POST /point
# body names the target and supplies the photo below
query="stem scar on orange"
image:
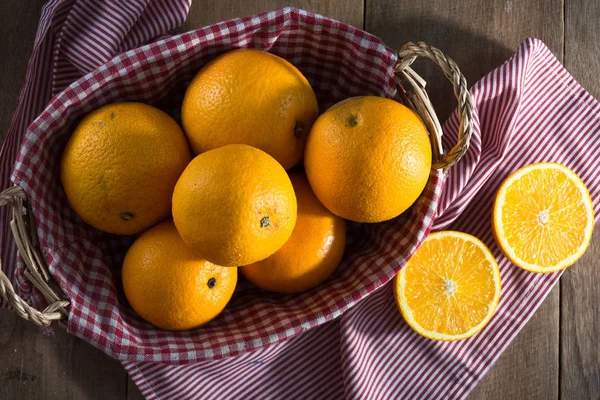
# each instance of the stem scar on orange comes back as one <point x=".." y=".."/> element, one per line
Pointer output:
<point x="368" y="158"/>
<point x="251" y="97"/>
<point x="169" y="285"/>
<point x="312" y="253"/>
<point x="234" y="205"/>
<point x="120" y="166"/>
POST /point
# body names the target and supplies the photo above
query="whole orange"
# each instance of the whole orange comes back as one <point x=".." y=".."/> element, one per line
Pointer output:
<point x="120" y="166"/>
<point x="312" y="253"/>
<point x="169" y="285"/>
<point x="250" y="97"/>
<point x="368" y="158"/>
<point x="234" y="205"/>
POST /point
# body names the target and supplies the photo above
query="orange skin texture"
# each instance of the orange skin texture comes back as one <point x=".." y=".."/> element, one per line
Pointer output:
<point x="250" y="97"/>
<point x="312" y="253"/>
<point x="235" y="205"/>
<point x="120" y="167"/>
<point x="368" y="158"/>
<point x="169" y="285"/>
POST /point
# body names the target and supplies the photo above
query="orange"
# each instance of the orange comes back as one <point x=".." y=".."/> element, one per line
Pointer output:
<point x="235" y="205"/>
<point x="172" y="287"/>
<point x="312" y="253"/>
<point x="368" y="158"/>
<point x="450" y="288"/>
<point x="120" y="166"/>
<point x="543" y="217"/>
<point x="250" y="97"/>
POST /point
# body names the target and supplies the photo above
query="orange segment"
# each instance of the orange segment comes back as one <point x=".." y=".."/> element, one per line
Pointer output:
<point x="543" y="217"/>
<point x="450" y="288"/>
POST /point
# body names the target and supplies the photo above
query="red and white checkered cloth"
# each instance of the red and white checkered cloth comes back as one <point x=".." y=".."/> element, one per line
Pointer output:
<point x="530" y="109"/>
<point x="339" y="61"/>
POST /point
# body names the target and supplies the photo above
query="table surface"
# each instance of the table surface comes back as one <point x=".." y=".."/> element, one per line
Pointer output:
<point x="557" y="354"/>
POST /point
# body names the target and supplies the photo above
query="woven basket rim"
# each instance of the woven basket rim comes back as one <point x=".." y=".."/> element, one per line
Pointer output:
<point x="411" y="92"/>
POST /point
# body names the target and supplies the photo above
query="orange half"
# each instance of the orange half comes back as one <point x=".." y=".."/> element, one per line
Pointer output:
<point x="543" y="217"/>
<point x="450" y="288"/>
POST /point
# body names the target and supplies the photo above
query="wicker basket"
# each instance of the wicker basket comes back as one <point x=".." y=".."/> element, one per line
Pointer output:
<point x="411" y="92"/>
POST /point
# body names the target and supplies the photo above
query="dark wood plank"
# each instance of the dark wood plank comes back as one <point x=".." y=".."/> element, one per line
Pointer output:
<point x="467" y="32"/>
<point x="18" y="24"/>
<point x="521" y="371"/>
<point x="35" y="366"/>
<point x="205" y="12"/>
<point x="580" y="308"/>
<point x="580" y="292"/>
<point x="133" y="393"/>
<point x="480" y="36"/>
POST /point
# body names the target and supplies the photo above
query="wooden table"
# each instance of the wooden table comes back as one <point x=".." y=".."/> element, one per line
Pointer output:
<point x="557" y="354"/>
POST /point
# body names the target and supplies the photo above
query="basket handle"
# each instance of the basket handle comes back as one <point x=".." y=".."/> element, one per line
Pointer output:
<point x="415" y="97"/>
<point x="412" y="93"/>
<point x="36" y="270"/>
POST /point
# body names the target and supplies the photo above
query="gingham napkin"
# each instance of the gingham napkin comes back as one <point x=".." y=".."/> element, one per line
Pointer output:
<point x="86" y="263"/>
<point x="529" y="109"/>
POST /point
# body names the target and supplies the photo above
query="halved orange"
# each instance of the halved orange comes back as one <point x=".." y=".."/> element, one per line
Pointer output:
<point x="543" y="217"/>
<point x="450" y="288"/>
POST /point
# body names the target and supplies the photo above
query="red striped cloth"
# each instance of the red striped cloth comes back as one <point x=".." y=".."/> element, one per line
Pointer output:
<point x="86" y="263"/>
<point x="528" y="110"/>
<point x="110" y="27"/>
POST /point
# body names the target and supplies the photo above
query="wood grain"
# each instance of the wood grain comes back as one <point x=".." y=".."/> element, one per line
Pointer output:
<point x="580" y="288"/>
<point x="480" y="36"/>
<point x="18" y="24"/>
<point x="580" y="285"/>
<point x="36" y="366"/>
<point x="205" y="12"/>
<point x="580" y="317"/>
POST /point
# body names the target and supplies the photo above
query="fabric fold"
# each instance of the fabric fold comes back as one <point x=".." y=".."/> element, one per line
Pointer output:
<point x="529" y="109"/>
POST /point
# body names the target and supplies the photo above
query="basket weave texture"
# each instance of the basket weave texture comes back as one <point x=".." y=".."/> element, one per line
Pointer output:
<point x="339" y="61"/>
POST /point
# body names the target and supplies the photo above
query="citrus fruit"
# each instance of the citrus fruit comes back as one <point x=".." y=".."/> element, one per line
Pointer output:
<point x="234" y="205"/>
<point x="450" y="287"/>
<point x="543" y="217"/>
<point x="120" y="166"/>
<point x="250" y="97"/>
<point x="169" y="285"/>
<point x="368" y="158"/>
<point x="312" y="253"/>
